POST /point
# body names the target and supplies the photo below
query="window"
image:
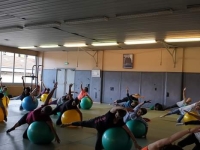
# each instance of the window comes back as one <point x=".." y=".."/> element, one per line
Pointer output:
<point x="19" y="69"/>
<point x="12" y="72"/>
<point x="30" y="68"/>
<point x="7" y="67"/>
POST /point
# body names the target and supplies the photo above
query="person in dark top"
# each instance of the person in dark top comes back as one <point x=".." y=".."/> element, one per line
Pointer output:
<point x="130" y="100"/>
<point x="40" y="114"/>
<point x="69" y="104"/>
<point x="113" y="118"/>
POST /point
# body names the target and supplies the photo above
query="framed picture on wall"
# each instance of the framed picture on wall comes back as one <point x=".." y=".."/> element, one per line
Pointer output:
<point x="127" y="61"/>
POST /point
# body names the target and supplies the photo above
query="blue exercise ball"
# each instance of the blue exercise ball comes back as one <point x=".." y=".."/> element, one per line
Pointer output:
<point x="29" y="104"/>
<point x="40" y="133"/>
<point x="137" y="127"/>
<point x="116" y="139"/>
<point x="86" y="103"/>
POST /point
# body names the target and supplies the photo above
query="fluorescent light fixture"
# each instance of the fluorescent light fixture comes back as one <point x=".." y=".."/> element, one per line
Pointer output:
<point x="49" y="46"/>
<point x="28" y="47"/>
<point x="86" y="20"/>
<point x="183" y="40"/>
<point x="11" y="29"/>
<point x="148" y="14"/>
<point x="75" y="45"/>
<point x="133" y="42"/>
<point x="43" y="25"/>
<point x="193" y="8"/>
<point x="105" y="44"/>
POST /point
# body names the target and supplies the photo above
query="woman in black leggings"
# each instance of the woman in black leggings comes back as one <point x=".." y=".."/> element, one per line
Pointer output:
<point x="113" y="118"/>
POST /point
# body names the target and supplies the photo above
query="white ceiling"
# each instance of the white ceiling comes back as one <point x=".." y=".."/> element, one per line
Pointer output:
<point x="23" y="13"/>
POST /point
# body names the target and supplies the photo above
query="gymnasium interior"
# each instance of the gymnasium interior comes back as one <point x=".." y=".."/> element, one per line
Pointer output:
<point x="150" y="47"/>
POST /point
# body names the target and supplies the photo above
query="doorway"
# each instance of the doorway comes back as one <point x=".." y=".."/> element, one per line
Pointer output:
<point x="64" y="78"/>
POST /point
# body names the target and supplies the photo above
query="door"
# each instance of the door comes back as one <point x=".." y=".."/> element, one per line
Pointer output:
<point x="61" y="83"/>
<point x="64" y="78"/>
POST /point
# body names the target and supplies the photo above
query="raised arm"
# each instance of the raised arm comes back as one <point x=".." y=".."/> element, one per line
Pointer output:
<point x="43" y="84"/>
<point x="81" y="86"/>
<point x="140" y="105"/>
<point x="70" y="92"/>
<point x="184" y="94"/>
<point x="1" y="82"/>
<point x="23" y="83"/>
<point x="160" y="143"/>
<point x="50" y="94"/>
<point x="33" y="92"/>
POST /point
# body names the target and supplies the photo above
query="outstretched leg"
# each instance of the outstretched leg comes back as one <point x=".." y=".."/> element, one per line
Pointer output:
<point x="89" y="123"/>
<point x="19" y="123"/>
<point x="171" y="112"/>
<point x="173" y="106"/>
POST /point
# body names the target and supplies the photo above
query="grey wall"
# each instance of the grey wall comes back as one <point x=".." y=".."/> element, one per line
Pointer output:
<point x="111" y="86"/>
<point x="160" y="87"/>
<point x="49" y="77"/>
<point x="152" y="87"/>
<point x="192" y="83"/>
<point x="83" y="77"/>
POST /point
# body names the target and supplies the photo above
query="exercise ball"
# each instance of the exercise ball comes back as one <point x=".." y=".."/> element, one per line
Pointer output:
<point x="188" y="117"/>
<point x="2" y="115"/>
<point x="5" y="101"/>
<point x="116" y="139"/>
<point x="86" y="103"/>
<point x="44" y="97"/>
<point x="29" y="104"/>
<point x="137" y="127"/>
<point x="40" y="133"/>
<point x="70" y="116"/>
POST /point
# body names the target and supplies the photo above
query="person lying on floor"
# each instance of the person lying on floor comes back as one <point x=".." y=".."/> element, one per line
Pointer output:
<point x="130" y="100"/>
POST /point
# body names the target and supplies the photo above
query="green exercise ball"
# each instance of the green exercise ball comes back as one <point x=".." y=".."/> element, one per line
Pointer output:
<point x="116" y="139"/>
<point x="40" y="133"/>
<point x="86" y="103"/>
<point x="137" y="127"/>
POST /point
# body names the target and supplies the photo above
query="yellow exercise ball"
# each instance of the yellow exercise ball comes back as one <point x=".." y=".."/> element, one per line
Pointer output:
<point x="2" y="115"/>
<point x="5" y="101"/>
<point x="188" y="117"/>
<point x="70" y="116"/>
<point x="44" y="97"/>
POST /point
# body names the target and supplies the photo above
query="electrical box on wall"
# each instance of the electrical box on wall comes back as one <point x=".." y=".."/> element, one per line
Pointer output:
<point x="96" y="73"/>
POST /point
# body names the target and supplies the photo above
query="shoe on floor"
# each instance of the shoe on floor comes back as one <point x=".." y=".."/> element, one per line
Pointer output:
<point x="179" y="124"/>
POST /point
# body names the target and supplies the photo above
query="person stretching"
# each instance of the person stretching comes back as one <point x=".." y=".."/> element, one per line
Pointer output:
<point x="186" y="101"/>
<point x="113" y="118"/>
<point x="40" y="114"/>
